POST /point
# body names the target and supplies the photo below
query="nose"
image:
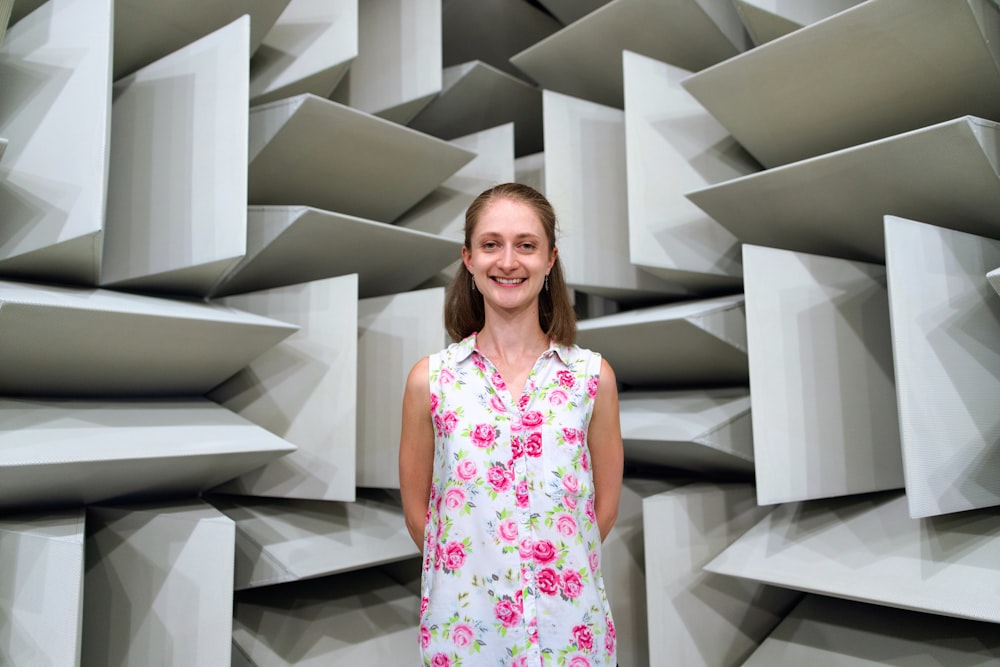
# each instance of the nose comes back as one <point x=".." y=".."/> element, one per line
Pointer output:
<point x="508" y="258"/>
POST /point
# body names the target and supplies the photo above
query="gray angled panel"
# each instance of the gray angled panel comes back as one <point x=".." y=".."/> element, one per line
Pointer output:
<point x="945" y="325"/>
<point x="867" y="548"/>
<point x="288" y="245"/>
<point x="568" y="11"/>
<point x="833" y="205"/>
<point x="994" y="278"/>
<point x="308" y="151"/>
<point x="821" y="376"/>
<point x="5" y="7"/>
<point x="82" y="342"/>
<point x="584" y="59"/>
<point x="767" y="20"/>
<point x="79" y="452"/>
<point x="843" y="81"/>
<point x="279" y="541"/>
<point x="692" y="343"/>
<point x="705" y="431"/>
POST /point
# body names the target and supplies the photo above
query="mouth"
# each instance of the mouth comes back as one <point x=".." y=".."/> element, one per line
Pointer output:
<point x="508" y="281"/>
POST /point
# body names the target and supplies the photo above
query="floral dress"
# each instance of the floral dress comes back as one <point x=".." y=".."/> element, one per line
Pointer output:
<point x="511" y="570"/>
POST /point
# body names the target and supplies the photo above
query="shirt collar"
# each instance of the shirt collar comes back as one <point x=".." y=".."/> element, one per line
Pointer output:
<point x="467" y="346"/>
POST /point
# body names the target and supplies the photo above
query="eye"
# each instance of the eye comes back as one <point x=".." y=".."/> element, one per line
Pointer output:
<point x="528" y="246"/>
<point x="489" y="245"/>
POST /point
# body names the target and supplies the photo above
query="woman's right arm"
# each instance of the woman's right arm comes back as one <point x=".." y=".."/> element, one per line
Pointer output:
<point x="416" y="450"/>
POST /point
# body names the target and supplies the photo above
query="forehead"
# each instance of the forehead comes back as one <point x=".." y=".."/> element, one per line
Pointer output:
<point x="508" y="216"/>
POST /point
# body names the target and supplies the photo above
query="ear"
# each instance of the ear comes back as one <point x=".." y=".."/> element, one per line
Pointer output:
<point x="466" y="259"/>
<point x="552" y="258"/>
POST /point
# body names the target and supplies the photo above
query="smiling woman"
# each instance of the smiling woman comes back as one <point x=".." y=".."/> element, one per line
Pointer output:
<point x="511" y="456"/>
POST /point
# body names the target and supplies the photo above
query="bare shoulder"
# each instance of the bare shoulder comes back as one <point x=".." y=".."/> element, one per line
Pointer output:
<point x="417" y="384"/>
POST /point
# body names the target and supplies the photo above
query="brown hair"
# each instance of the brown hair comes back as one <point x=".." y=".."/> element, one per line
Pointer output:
<point x="464" y="313"/>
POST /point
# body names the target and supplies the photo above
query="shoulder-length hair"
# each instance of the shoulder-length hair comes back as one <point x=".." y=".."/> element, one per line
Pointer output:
<point x="464" y="310"/>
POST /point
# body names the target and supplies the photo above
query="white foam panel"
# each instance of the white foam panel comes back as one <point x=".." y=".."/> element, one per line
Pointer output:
<point x="90" y="342"/>
<point x="689" y="343"/>
<point x="303" y="390"/>
<point x="585" y="181"/>
<point x="3" y="146"/>
<point x="945" y="322"/>
<point x="307" y="151"/>
<point x="704" y="431"/>
<point x="357" y="618"/>
<point x="584" y="59"/>
<point x="398" y="67"/>
<point x="5" y="7"/>
<point x="295" y="244"/>
<point x="698" y="618"/>
<point x="41" y="587"/>
<point x="840" y="633"/>
<point x="159" y="582"/>
<point x="394" y="333"/>
<point x="994" y="278"/>
<point x="841" y="82"/>
<point x="767" y="20"/>
<point x="821" y="376"/>
<point x="78" y="452"/>
<point x="476" y="96"/>
<point x="177" y="187"/>
<point x="279" y="541"/>
<point x="308" y="50"/>
<point x="568" y="11"/>
<point x="672" y="146"/>
<point x="867" y="548"/>
<point x="55" y="74"/>
<point x="833" y="205"/>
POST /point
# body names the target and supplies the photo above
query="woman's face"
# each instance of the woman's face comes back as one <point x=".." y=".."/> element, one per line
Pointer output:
<point x="509" y="255"/>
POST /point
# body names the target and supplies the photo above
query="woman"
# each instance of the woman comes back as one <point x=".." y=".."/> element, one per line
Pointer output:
<point x="510" y="456"/>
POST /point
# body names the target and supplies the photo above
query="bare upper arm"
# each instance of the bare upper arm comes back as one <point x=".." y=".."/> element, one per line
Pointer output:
<point x="416" y="447"/>
<point x="606" y="451"/>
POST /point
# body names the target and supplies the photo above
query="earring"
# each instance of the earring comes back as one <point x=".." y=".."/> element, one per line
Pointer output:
<point x="546" y="282"/>
<point x="473" y="281"/>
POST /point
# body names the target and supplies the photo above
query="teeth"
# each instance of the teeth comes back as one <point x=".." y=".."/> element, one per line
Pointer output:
<point x="510" y="281"/>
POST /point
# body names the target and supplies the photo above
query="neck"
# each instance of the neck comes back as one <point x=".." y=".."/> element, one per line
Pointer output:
<point x="511" y="337"/>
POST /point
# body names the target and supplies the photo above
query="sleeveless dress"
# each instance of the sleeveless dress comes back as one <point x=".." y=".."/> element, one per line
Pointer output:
<point x="512" y="550"/>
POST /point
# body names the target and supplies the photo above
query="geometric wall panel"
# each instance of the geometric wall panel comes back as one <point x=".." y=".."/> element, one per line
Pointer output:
<point x="767" y="20"/>
<point x="841" y="633"/>
<point x="78" y="452"/>
<point x="159" y="582"/>
<point x="946" y="342"/>
<point x="867" y="548"/>
<point x="994" y="278"/>
<point x="585" y="179"/>
<point x="673" y="146"/>
<point x="394" y="333"/>
<point x="584" y="59"/>
<point x="55" y="74"/>
<point x="3" y="146"/>
<point x="821" y="377"/>
<point x="358" y="618"/>
<point x="308" y="50"/>
<point x="41" y="588"/>
<point x="147" y="31"/>
<point x="705" y="431"/>
<point x="5" y="7"/>
<point x="476" y="96"/>
<point x="296" y="244"/>
<point x="307" y="151"/>
<point x="697" y="618"/>
<point x="568" y="11"/>
<point x="302" y="389"/>
<point x="60" y="341"/>
<point x="878" y="69"/>
<point x="833" y="205"/>
<point x="692" y="343"/>
<point x="177" y="186"/>
<point x="398" y="67"/>
<point x="278" y="541"/>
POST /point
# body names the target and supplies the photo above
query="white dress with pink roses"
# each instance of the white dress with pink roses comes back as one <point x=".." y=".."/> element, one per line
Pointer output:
<point x="512" y="550"/>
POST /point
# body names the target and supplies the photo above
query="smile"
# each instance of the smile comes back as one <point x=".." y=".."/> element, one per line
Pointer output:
<point x="509" y="281"/>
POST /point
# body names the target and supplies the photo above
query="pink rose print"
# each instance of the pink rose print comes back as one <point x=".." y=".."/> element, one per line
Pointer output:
<point x="583" y="637"/>
<point x="477" y="359"/>
<point x="578" y="661"/>
<point x="522" y="402"/>
<point x="520" y="661"/>
<point x="609" y="643"/>
<point x="572" y="584"/>
<point x="569" y="501"/>
<point x="461" y="635"/>
<point x="425" y="637"/>
<point x="498" y="478"/>
<point x="525" y="548"/>
<point x="588" y="509"/>
<point x="573" y="435"/>
<point x="532" y="419"/>
<point x="483" y="435"/>
<point x="548" y="581"/>
<point x="497" y="404"/>
<point x="450" y="420"/>
<point x="533" y="631"/>
<point x="445" y="376"/>
<point x="521" y="493"/>
<point x="544" y="552"/>
<point x="584" y="462"/>
<point x="508" y="530"/>
<point x="611" y="628"/>
<point x="435" y="402"/>
<point x="516" y="448"/>
<point x="423" y="604"/>
<point x="507" y="613"/>
<point x="566" y="379"/>
<point x="454" y="498"/>
<point x="571" y="483"/>
<point x="533" y="445"/>
<point x="440" y="660"/>
<point x="557" y="397"/>
<point x="466" y="470"/>
<point x="595" y="561"/>
<point x="498" y="382"/>
<point x="592" y="384"/>
<point x="454" y="555"/>
<point x="566" y="525"/>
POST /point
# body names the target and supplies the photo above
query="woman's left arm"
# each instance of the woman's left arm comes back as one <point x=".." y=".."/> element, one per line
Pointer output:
<point x="607" y="456"/>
